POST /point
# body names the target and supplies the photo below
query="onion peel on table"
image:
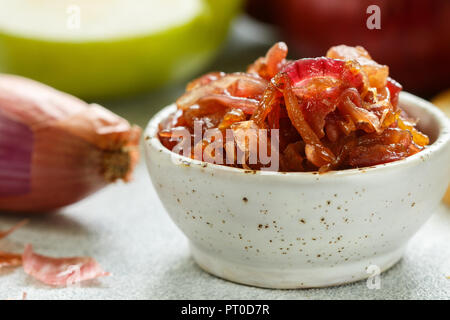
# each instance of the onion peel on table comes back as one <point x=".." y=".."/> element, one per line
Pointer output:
<point x="10" y="259"/>
<point x="51" y="271"/>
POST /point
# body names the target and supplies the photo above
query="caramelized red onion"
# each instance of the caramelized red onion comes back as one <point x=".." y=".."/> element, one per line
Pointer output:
<point x="335" y="112"/>
<point x="56" y="149"/>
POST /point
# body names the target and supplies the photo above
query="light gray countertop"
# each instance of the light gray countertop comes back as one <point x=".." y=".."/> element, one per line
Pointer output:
<point x="126" y="229"/>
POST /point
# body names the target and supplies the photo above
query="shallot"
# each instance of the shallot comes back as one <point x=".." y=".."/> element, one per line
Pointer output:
<point x="56" y="149"/>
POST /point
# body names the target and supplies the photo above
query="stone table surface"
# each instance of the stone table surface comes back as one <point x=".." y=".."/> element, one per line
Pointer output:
<point x="127" y="230"/>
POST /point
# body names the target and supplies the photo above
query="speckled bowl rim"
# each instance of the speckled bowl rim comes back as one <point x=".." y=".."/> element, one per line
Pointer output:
<point x="443" y="140"/>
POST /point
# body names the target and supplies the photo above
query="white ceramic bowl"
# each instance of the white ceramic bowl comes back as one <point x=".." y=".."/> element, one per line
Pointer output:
<point x="299" y="230"/>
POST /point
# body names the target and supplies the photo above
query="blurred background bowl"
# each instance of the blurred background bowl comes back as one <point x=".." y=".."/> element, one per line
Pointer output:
<point x="114" y="65"/>
<point x="414" y="38"/>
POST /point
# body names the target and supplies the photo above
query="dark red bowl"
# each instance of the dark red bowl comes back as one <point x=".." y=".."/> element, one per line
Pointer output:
<point x="414" y="39"/>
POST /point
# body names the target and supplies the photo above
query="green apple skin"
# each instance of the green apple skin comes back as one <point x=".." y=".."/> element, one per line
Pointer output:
<point x="121" y="67"/>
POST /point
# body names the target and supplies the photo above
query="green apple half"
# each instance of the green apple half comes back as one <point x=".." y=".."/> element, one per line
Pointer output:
<point x="106" y="48"/>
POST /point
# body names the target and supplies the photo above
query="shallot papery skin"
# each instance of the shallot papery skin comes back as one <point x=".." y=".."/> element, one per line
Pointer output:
<point x="5" y="233"/>
<point x="56" y="149"/>
<point x="60" y="271"/>
<point x="8" y="259"/>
